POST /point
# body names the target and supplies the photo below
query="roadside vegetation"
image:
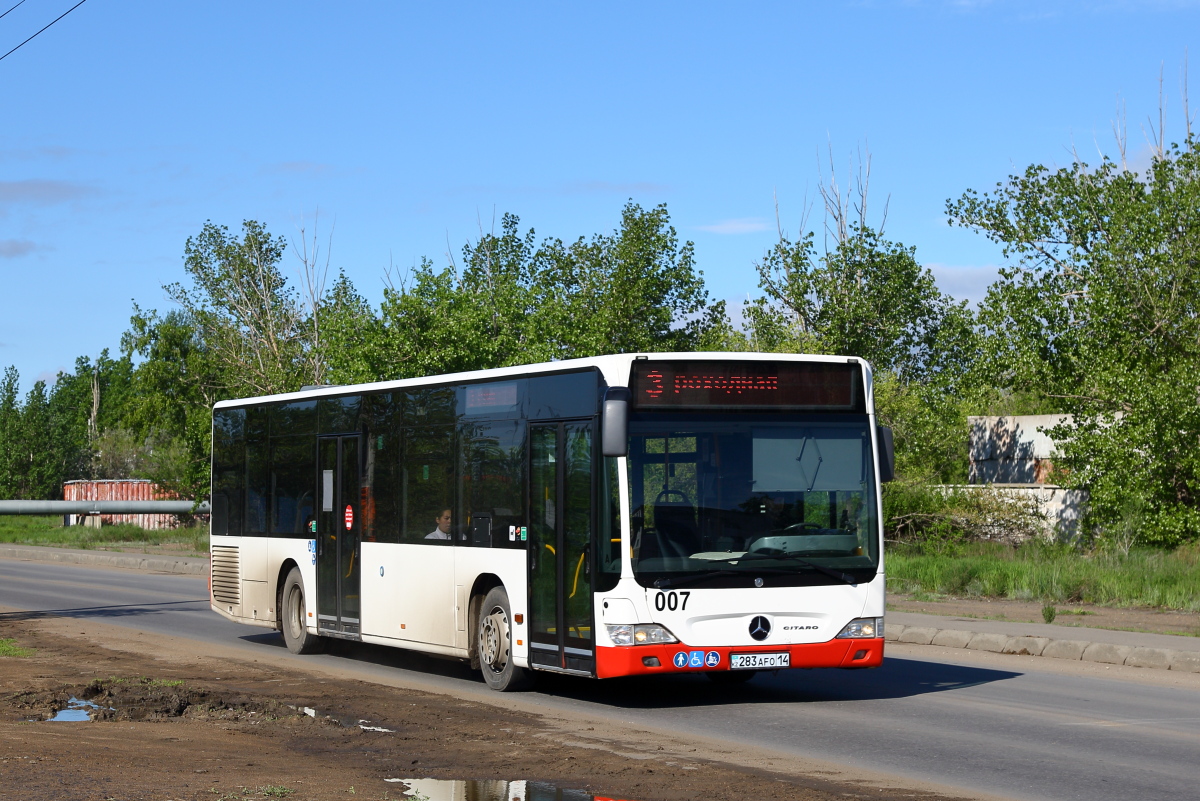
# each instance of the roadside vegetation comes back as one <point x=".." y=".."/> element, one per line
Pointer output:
<point x="1053" y="573"/>
<point x="1095" y="315"/>
<point x="49" y="531"/>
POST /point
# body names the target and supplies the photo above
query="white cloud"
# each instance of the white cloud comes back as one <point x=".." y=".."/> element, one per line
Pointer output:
<point x="741" y="225"/>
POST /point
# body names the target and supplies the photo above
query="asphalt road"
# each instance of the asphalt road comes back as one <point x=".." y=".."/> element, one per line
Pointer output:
<point x="990" y="724"/>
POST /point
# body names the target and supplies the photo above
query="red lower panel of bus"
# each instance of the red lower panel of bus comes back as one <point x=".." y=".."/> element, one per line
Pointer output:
<point x="635" y="660"/>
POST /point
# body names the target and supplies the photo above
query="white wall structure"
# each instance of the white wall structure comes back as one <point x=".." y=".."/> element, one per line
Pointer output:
<point x="1013" y="455"/>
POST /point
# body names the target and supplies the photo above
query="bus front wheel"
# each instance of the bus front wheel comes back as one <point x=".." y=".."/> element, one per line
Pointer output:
<point x="294" y="617"/>
<point x="494" y="644"/>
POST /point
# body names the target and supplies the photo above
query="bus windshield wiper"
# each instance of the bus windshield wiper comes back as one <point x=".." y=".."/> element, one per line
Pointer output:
<point x="667" y="583"/>
<point x="758" y="557"/>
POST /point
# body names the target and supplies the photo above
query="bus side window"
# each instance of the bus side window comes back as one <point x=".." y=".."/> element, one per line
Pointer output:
<point x="494" y="481"/>
<point x="428" y="485"/>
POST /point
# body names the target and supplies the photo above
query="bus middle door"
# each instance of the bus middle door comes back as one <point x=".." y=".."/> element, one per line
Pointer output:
<point x="339" y="536"/>
<point x="560" y="535"/>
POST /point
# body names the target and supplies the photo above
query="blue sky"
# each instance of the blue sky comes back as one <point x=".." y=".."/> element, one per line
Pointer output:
<point x="127" y="125"/>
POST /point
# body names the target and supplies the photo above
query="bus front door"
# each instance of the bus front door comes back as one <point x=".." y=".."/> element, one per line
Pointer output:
<point x="339" y="536"/>
<point x="560" y="533"/>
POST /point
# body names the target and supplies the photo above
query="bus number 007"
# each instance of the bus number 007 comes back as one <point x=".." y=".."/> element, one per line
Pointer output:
<point x="671" y="600"/>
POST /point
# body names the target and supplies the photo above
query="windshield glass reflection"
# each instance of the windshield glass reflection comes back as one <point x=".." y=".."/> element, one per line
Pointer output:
<point x="741" y="495"/>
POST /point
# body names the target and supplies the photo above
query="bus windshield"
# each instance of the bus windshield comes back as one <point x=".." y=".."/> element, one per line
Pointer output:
<point x="737" y="499"/>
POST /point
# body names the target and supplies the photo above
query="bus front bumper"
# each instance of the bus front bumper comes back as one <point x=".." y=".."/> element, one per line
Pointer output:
<point x="642" y="660"/>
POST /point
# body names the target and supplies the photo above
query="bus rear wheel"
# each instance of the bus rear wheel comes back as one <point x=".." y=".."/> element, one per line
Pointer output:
<point x="294" y="616"/>
<point x="494" y="644"/>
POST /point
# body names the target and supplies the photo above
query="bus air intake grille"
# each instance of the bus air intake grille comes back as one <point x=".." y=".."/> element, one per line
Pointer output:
<point x="226" y="578"/>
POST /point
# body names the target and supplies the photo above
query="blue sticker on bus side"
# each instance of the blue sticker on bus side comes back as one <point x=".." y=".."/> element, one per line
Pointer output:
<point x="681" y="659"/>
<point x="312" y="546"/>
<point x="696" y="659"/>
<point x="712" y="659"/>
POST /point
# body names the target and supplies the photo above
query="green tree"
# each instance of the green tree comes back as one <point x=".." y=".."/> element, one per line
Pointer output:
<point x="175" y="384"/>
<point x="11" y="463"/>
<point x="254" y="325"/>
<point x="868" y="296"/>
<point x="514" y="302"/>
<point x="1099" y="313"/>
<point x="637" y="289"/>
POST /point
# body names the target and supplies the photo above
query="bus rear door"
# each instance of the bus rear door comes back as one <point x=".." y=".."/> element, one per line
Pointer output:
<point x="339" y="534"/>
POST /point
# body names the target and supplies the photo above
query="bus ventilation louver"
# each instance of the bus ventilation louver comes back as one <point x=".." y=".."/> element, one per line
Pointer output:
<point x="226" y="578"/>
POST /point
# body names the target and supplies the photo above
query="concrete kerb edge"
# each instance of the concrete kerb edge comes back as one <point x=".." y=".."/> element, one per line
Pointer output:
<point x="129" y="561"/>
<point x="1152" y="658"/>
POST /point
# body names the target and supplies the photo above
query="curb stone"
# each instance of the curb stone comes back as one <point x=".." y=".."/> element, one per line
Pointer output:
<point x="1107" y="653"/>
<point x="988" y="642"/>
<point x="953" y="638"/>
<point x="1104" y="653"/>
<point x="1065" y="649"/>
<point x="1026" y="646"/>
<point x="917" y="635"/>
<point x="1159" y="658"/>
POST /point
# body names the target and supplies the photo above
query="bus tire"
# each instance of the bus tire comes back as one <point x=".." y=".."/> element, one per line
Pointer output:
<point x="293" y="617"/>
<point x="493" y="639"/>
<point x="730" y="678"/>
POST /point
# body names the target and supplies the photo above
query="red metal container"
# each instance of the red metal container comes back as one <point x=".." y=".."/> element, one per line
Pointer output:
<point x="125" y="489"/>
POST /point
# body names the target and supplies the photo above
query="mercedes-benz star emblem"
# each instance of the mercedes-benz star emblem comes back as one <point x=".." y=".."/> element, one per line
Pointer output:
<point x="760" y="627"/>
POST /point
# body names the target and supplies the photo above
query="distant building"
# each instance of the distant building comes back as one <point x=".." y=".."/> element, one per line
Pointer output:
<point x="1015" y="455"/>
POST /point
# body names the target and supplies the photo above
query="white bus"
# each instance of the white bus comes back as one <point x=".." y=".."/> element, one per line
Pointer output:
<point x="660" y="513"/>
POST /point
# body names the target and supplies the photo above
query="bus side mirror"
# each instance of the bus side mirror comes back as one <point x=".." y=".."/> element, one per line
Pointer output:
<point x="614" y="422"/>
<point x="887" y="453"/>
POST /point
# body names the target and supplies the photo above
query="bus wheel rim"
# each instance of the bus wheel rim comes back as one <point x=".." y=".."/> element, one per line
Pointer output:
<point x="294" y="612"/>
<point x="493" y="640"/>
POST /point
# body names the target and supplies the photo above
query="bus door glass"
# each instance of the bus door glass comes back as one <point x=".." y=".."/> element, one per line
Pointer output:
<point x="339" y="535"/>
<point x="560" y="534"/>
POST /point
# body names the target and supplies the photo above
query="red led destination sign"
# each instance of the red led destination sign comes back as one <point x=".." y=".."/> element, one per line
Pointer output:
<point x="734" y="385"/>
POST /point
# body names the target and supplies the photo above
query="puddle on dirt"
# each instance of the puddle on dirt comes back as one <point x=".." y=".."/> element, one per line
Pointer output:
<point x="76" y="710"/>
<point x="490" y="790"/>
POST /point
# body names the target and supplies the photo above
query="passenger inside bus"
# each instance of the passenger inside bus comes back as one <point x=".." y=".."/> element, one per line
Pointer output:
<point x="442" y="532"/>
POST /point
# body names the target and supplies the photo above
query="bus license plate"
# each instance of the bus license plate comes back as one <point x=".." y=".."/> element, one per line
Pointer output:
<point x="759" y="661"/>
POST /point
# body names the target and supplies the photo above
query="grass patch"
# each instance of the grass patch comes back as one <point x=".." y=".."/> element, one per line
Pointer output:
<point x="9" y="647"/>
<point x="49" y="531"/>
<point x="1049" y="573"/>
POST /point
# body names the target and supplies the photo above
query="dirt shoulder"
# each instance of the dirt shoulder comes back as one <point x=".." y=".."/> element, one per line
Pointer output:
<point x="175" y="724"/>
<point x="1155" y="621"/>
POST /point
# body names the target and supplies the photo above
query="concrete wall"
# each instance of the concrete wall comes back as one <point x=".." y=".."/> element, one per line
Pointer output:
<point x="1061" y="509"/>
<point x="1012" y="450"/>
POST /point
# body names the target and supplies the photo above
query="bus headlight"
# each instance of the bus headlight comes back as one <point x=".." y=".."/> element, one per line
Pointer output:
<point x="649" y="634"/>
<point x="862" y="628"/>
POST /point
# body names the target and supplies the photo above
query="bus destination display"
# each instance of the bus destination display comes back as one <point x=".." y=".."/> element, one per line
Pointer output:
<point x="733" y="384"/>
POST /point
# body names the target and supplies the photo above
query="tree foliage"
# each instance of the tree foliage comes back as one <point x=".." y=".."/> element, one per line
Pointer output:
<point x="516" y="301"/>
<point x="1100" y="314"/>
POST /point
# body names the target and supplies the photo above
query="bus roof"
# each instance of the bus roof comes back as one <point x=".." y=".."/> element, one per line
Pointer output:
<point x="615" y="369"/>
